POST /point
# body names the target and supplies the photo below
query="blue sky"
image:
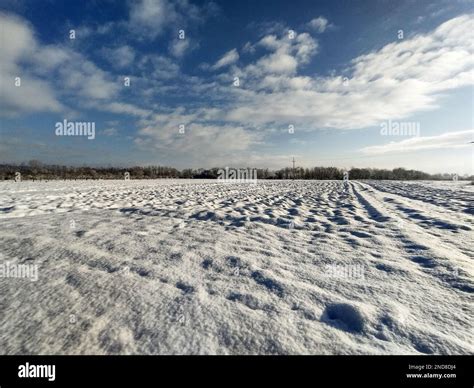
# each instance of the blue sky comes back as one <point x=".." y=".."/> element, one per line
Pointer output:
<point x="251" y="83"/>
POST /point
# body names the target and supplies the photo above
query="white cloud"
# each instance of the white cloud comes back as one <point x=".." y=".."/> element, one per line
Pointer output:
<point x="179" y="47"/>
<point x="278" y="83"/>
<point x="163" y="129"/>
<point x="50" y="72"/>
<point x="110" y="131"/>
<point x="203" y="142"/>
<point x="151" y="16"/>
<point x="17" y="40"/>
<point x="285" y="57"/>
<point x="248" y="48"/>
<point x="124" y="108"/>
<point x="120" y="57"/>
<point x="158" y="67"/>
<point x="267" y="27"/>
<point x="459" y="139"/>
<point x="319" y="24"/>
<point x="395" y="82"/>
<point x="227" y="59"/>
<point x="83" y="78"/>
<point x="18" y="44"/>
<point x="33" y="95"/>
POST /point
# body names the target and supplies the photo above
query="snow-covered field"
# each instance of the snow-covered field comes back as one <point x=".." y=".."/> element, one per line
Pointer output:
<point x="199" y="267"/>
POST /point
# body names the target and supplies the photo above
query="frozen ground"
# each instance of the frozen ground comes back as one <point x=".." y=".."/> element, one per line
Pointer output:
<point x="283" y="267"/>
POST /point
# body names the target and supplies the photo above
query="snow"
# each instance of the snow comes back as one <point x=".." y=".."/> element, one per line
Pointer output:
<point x="201" y="267"/>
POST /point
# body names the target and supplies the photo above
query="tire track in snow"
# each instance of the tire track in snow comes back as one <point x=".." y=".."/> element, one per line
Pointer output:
<point x="439" y="257"/>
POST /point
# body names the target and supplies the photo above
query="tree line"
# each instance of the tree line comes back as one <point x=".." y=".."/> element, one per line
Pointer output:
<point x="35" y="170"/>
